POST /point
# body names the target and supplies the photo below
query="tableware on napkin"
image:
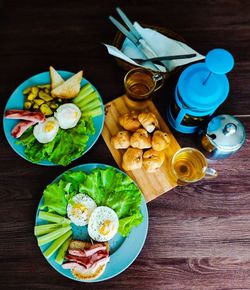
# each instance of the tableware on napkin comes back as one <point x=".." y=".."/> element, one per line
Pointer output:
<point x="160" y="44"/>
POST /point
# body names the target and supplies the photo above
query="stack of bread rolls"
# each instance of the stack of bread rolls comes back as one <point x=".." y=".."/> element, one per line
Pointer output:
<point x="143" y="139"/>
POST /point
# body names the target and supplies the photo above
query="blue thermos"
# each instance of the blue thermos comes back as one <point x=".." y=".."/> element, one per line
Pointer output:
<point x="201" y="89"/>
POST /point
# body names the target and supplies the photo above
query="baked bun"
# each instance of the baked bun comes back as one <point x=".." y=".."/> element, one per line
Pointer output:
<point x="88" y="274"/>
<point x="148" y="121"/>
<point x="132" y="159"/>
<point x="129" y="121"/>
<point x="140" y="139"/>
<point x="160" y="140"/>
<point x="153" y="160"/>
<point x="121" y="140"/>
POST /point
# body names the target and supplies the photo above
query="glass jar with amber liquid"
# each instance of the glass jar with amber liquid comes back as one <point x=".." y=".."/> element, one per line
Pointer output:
<point x="140" y="85"/>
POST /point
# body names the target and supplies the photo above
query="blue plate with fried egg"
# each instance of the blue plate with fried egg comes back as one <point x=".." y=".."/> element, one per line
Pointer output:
<point x="16" y="101"/>
<point x="122" y="251"/>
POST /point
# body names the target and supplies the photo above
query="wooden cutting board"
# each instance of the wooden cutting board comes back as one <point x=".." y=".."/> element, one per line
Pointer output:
<point x="151" y="184"/>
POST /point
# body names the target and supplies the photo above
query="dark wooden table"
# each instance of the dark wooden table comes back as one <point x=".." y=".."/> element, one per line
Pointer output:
<point x="199" y="235"/>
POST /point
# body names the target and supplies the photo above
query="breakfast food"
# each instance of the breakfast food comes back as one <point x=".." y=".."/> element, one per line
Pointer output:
<point x="46" y="131"/>
<point x="68" y="115"/>
<point x="86" y="261"/>
<point x="38" y="98"/>
<point x="132" y="159"/>
<point x="64" y="125"/>
<point x="24" y="115"/>
<point x="140" y="139"/>
<point x="148" y="121"/>
<point x="153" y="160"/>
<point x="56" y="79"/>
<point x="109" y="202"/>
<point x="21" y="127"/>
<point x="80" y="209"/>
<point x="130" y="121"/>
<point x="121" y="140"/>
<point x="70" y="88"/>
<point x="160" y="140"/>
<point x="103" y="224"/>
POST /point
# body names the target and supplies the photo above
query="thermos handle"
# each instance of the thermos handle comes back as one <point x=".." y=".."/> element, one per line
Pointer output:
<point x="210" y="173"/>
<point x="180" y="116"/>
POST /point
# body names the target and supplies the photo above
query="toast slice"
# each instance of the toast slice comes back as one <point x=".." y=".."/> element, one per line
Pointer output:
<point x="56" y="79"/>
<point x="80" y="245"/>
<point x="88" y="274"/>
<point x="70" y="88"/>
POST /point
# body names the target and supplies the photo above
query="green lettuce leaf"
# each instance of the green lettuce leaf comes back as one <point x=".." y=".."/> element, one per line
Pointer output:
<point x="127" y="223"/>
<point x="54" y="198"/>
<point x="66" y="146"/>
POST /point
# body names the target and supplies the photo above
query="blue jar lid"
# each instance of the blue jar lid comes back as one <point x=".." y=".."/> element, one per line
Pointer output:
<point x="204" y="86"/>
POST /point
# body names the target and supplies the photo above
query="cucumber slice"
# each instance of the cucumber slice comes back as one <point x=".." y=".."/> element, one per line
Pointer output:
<point x="57" y="244"/>
<point x="84" y="92"/>
<point x="90" y="98"/>
<point x="45" y="229"/>
<point x="62" y="251"/>
<point x="93" y="113"/>
<point x="52" y="235"/>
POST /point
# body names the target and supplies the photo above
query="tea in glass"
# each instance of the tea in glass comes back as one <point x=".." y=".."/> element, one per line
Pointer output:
<point x="140" y="84"/>
<point x="190" y="165"/>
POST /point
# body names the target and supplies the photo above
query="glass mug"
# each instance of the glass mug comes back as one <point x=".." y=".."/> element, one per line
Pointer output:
<point x="190" y="165"/>
<point x="140" y="84"/>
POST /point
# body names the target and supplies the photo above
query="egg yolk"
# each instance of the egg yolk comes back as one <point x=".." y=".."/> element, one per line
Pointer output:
<point x="49" y="126"/>
<point x="106" y="227"/>
<point x="78" y="209"/>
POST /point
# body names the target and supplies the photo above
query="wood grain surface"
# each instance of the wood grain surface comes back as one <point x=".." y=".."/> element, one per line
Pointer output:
<point x="151" y="184"/>
<point x="199" y="235"/>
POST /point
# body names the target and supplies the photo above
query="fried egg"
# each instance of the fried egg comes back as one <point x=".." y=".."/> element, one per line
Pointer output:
<point x="103" y="224"/>
<point x="68" y="115"/>
<point x="46" y="131"/>
<point x="80" y="209"/>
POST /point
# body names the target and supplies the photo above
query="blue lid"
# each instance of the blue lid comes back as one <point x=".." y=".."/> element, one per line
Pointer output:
<point x="225" y="63"/>
<point x="204" y="86"/>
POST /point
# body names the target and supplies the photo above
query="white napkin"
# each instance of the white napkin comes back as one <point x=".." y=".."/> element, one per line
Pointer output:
<point x="160" y="44"/>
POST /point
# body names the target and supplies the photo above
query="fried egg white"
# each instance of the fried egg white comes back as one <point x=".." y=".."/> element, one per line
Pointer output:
<point x="80" y="209"/>
<point x="46" y="131"/>
<point x="103" y="224"/>
<point x="68" y="115"/>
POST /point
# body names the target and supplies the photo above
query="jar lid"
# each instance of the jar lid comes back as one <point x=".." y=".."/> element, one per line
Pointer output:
<point x="226" y="132"/>
<point x="204" y="86"/>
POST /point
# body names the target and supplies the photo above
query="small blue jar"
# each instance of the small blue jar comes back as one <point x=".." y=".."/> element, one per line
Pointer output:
<point x="200" y="90"/>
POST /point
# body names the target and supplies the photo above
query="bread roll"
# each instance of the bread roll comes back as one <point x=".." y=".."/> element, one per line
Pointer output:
<point x="148" y="121"/>
<point x="132" y="159"/>
<point x="160" y="140"/>
<point x="153" y="160"/>
<point x="130" y="121"/>
<point x="121" y="140"/>
<point x="140" y="139"/>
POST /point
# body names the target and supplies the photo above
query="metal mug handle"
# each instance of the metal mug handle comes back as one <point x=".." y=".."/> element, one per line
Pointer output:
<point x="210" y="173"/>
<point x="159" y="79"/>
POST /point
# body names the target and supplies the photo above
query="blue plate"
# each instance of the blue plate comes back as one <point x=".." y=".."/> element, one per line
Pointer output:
<point x="123" y="251"/>
<point x="16" y="101"/>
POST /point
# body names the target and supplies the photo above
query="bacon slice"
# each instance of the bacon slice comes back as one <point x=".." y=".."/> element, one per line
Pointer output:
<point x="25" y="115"/>
<point x="87" y="262"/>
<point x="21" y="127"/>
<point x="72" y="265"/>
<point x="87" y="252"/>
